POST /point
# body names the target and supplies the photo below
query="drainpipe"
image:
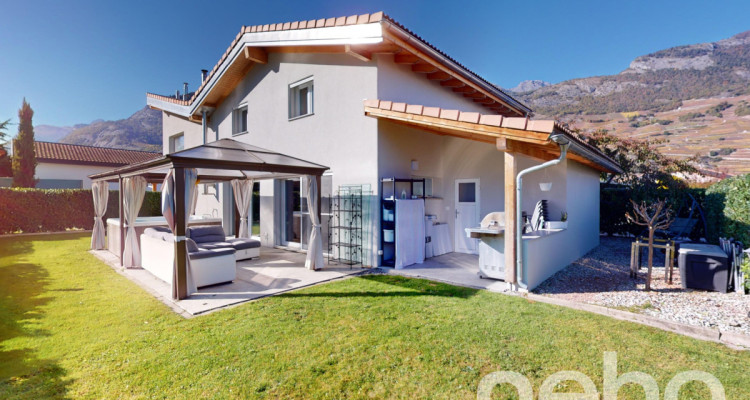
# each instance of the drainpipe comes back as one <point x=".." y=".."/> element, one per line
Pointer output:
<point x="564" y="144"/>
<point x="205" y="128"/>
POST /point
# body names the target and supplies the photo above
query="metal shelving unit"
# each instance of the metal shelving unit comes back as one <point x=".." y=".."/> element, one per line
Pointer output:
<point x="345" y="235"/>
<point x="390" y="190"/>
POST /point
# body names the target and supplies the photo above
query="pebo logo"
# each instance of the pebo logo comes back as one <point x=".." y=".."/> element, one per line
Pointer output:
<point x="612" y="384"/>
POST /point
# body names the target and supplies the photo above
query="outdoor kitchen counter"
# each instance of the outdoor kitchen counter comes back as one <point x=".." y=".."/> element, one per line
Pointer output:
<point x="141" y="223"/>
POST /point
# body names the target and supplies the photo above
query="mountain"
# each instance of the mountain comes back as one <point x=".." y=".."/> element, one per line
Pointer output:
<point x="658" y="81"/>
<point x="529" y="86"/>
<point x="695" y="98"/>
<point x="140" y="131"/>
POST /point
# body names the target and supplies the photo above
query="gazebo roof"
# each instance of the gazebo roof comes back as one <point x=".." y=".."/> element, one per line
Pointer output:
<point x="222" y="160"/>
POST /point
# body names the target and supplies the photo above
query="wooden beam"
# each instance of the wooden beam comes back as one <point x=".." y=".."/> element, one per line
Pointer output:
<point x="179" y="280"/>
<point x="256" y="54"/>
<point x="528" y="149"/>
<point x="484" y="100"/>
<point x="511" y="170"/>
<point x="393" y="35"/>
<point x="475" y="95"/>
<point x="405" y="58"/>
<point x="487" y="133"/>
<point x="464" y="89"/>
<point x="423" y="68"/>
<point x="358" y="53"/>
<point x="452" y="83"/>
<point x="438" y="76"/>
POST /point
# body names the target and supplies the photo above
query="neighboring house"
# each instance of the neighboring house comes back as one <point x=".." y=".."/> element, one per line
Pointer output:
<point x="67" y="166"/>
<point x="370" y="99"/>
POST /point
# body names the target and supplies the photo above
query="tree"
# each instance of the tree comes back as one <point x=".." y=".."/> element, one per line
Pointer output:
<point x="24" y="159"/>
<point x="654" y="216"/>
<point x="6" y="168"/>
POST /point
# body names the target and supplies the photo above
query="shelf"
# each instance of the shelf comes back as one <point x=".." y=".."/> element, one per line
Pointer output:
<point x="348" y="228"/>
<point x="343" y="244"/>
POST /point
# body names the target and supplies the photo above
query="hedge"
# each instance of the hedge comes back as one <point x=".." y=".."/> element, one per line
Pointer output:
<point x="55" y="210"/>
<point x="728" y="204"/>
<point x="726" y="207"/>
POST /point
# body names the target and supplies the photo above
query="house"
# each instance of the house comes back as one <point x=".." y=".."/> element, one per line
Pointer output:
<point x="68" y="166"/>
<point x="372" y="100"/>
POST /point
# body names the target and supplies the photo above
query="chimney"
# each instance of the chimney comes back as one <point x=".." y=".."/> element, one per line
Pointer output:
<point x="184" y="90"/>
<point x="204" y="75"/>
<point x="177" y="94"/>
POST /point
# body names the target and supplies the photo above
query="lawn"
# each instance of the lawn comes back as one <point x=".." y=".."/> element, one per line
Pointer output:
<point x="72" y="327"/>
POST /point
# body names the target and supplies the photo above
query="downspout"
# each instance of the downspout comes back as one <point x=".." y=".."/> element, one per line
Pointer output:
<point x="564" y="144"/>
<point x="203" y="122"/>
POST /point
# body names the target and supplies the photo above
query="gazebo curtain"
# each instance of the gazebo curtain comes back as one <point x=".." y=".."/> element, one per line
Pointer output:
<point x="314" y="258"/>
<point x="133" y="191"/>
<point x="243" y="194"/>
<point x="100" y="191"/>
<point x="168" y="209"/>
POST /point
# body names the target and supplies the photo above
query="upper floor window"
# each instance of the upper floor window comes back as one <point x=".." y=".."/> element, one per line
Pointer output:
<point x="239" y="120"/>
<point x="301" y="98"/>
<point x="177" y="142"/>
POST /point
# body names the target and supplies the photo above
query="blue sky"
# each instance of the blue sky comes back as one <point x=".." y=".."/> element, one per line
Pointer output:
<point x="76" y="61"/>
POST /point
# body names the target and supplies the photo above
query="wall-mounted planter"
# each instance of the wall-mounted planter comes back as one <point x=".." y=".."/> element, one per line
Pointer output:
<point x="556" y="225"/>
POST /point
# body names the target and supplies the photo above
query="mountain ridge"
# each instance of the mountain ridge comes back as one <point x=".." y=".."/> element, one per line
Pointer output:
<point x="141" y="131"/>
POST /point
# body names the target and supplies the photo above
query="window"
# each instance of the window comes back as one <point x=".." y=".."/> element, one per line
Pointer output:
<point x="301" y="98"/>
<point x="239" y="120"/>
<point x="177" y="142"/>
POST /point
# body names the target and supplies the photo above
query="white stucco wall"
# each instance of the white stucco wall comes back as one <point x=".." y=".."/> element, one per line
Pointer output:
<point x="545" y="256"/>
<point x="46" y="170"/>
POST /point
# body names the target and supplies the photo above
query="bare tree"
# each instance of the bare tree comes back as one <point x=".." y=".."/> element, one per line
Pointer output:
<point x="654" y="216"/>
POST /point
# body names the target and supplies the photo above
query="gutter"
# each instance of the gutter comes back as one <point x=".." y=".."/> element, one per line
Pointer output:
<point x="564" y="144"/>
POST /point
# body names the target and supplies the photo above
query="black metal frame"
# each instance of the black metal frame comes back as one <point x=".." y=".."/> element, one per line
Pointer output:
<point x="345" y="229"/>
<point x="388" y="249"/>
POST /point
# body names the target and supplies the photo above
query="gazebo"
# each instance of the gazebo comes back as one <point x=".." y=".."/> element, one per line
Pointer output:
<point x="224" y="160"/>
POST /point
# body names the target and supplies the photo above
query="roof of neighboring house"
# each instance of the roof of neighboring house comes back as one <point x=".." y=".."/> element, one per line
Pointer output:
<point x="63" y="153"/>
<point x="391" y="38"/>
<point x="513" y="134"/>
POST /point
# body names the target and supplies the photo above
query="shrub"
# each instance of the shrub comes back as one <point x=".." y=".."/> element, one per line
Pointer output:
<point x="54" y="210"/>
<point x="690" y="116"/>
<point x="728" y="209"/>
<point x="743" y="108"/>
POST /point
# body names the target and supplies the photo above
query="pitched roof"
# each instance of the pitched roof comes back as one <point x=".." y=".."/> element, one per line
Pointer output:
<point x="489" y="128"/>
<point x="89" y="155"/>
<point x="512" y="105"/>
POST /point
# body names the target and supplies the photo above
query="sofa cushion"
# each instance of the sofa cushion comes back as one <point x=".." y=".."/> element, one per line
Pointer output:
<point x="244" y="243"/>
<point x="206" y="233"/>
<point x="159" y="232"/>
<point x="192" y="247"/>
<point x="206" y="253"/>
<point x="216" y="245"/>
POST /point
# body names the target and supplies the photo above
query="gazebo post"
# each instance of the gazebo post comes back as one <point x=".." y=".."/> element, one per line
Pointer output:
<point x="318" y="179"/>
<point x="180" y="224"/>
<point x="121" y="215"/>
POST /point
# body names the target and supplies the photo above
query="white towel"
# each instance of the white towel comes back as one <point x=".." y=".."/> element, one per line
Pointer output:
<point x="410" y="234"/>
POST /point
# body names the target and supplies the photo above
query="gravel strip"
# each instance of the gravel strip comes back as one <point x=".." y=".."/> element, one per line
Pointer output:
<point x="602" y="277"/>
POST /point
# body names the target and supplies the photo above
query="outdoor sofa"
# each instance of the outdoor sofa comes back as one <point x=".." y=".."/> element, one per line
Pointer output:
<point x="212" y="256"/>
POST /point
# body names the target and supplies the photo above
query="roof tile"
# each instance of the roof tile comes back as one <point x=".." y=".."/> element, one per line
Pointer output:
<point x="472" y="117"/>
<point x="515" y="123"/>
<point x="414" y="109"/>
<point x="351" y="20"/>
<point x="431" y="112"/>
<point x="386" y="105"/>
<point x="400" y="107"/>
<point x="449" y="114"/>
<point x="89" y="155"/>
<point x="494" y="120"/>
<point x="340" y="21"/>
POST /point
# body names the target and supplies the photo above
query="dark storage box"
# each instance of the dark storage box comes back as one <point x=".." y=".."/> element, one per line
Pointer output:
<point x="703" y="266"/>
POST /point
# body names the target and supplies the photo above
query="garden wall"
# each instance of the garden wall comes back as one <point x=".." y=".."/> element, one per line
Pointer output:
<point x="55" y="210"/>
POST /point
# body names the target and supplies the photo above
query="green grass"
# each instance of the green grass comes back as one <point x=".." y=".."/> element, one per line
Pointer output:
<point x="71" y="327"/>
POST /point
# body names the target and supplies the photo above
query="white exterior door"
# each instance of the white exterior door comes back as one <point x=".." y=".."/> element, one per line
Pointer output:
<point x="467" y="214"/>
